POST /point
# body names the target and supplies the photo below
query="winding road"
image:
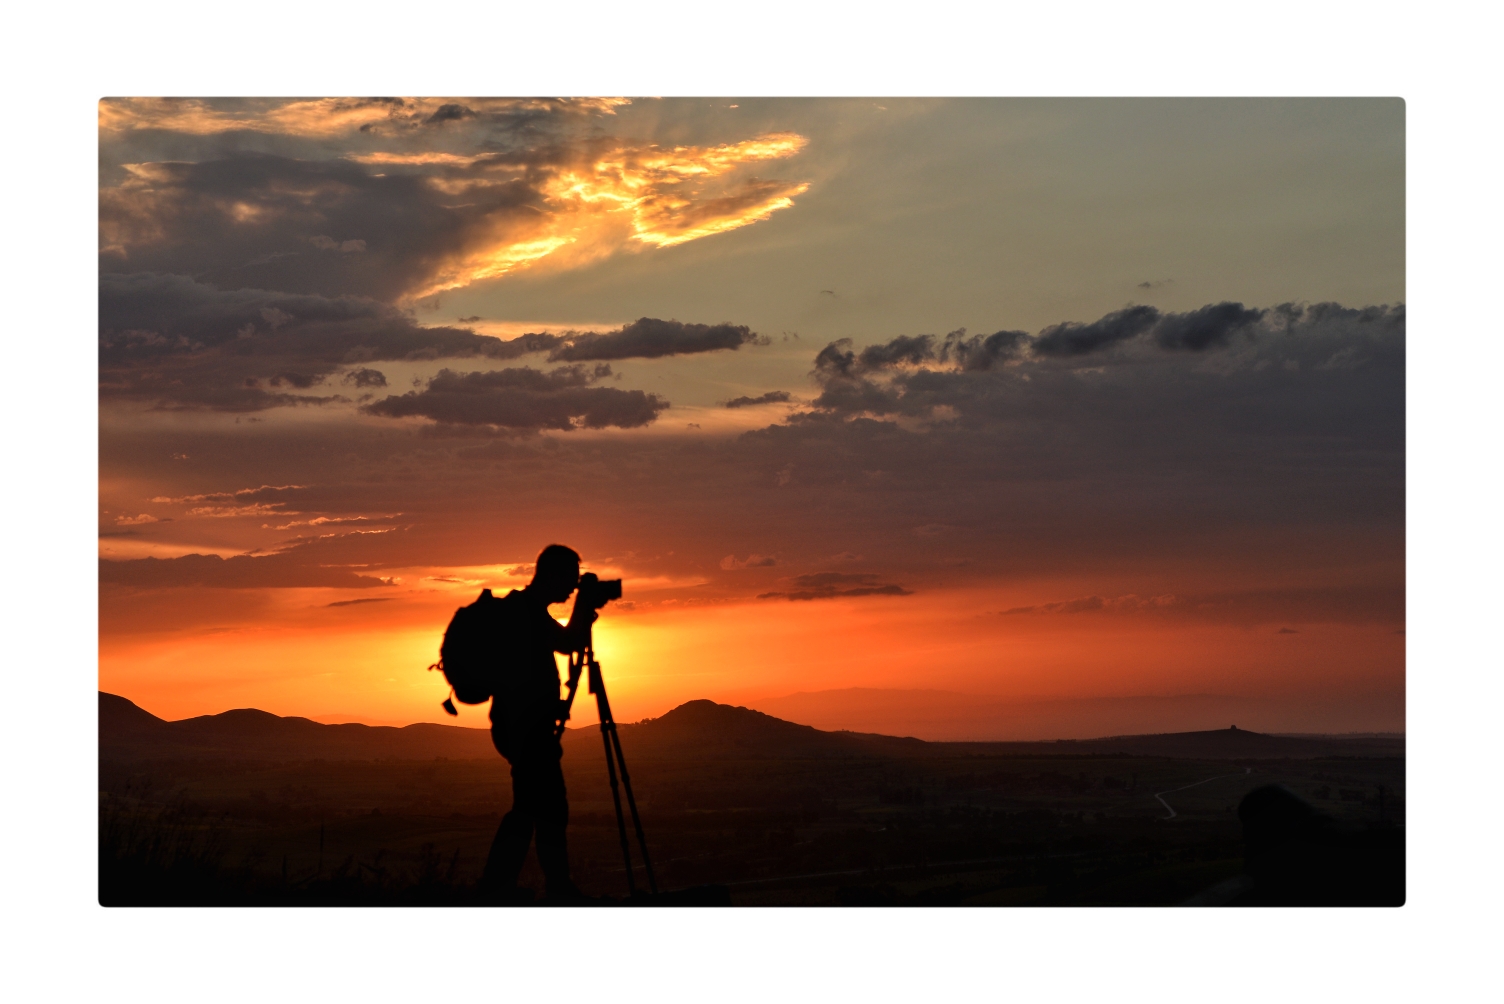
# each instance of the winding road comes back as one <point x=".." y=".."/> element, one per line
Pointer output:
<point x="1246" y="770"/>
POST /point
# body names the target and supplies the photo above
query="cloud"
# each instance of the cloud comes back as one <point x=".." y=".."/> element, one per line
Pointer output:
<point x="982" y="353"/>
<point x="526" y="399"/>
<point x="450" y="112"/>
<point x="243" y="571"/>
<point x="835" y="585"/>
<point x="365" y="378"/>
<point x="1070" y="339"/>
<point x="1130" y="457"/>
<point x="230" y="191"/>
<point x="1130" y="603"/>
<point x="771" y="397"/>
<point x="255" y="509"/>
<point x="322" y="118"/>
<point x="177" y="343"/>
<point x="908" y="350"/>
<point x="322" y="520"/>
<point x="1339" y="604"/>
<point x="651" y="338"/>
<point x="136" y="520"/>
<point x="351" y="603"/>
<point x="260" y="493"/>
<point x="731" y="563"/>
<point x="1295" y="338"/>
<point x="1209" y="327"/>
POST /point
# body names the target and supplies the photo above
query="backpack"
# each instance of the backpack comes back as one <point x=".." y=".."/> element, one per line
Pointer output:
<point x="468" y="654"/>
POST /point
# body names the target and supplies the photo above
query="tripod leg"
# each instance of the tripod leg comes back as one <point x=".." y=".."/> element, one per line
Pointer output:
<point x="642" y="840"/>
<point x="608" y="731"/>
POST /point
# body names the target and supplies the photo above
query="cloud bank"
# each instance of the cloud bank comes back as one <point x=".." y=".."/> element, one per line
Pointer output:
<point x="400" y="199"/>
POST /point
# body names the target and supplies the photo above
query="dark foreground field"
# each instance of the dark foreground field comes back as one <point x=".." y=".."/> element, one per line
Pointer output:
<point x="774" y="815"/>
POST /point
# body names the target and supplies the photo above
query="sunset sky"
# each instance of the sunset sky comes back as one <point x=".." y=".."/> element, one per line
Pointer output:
<point x="1014" y="399"/>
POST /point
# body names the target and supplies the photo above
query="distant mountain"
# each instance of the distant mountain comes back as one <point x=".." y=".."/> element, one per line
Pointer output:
<point x="718" y="731"/>
<point x="128" y="732"/>
<point x="947" y="716"/>
<point x="700" y="729"/>
<point x="1220" y="744"/>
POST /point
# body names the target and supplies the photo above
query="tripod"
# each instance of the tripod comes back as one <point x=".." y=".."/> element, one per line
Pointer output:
<point x="584" y="661"/>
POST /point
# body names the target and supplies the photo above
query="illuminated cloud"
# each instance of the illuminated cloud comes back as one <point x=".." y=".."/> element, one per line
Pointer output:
<point x="402" y="199"/>
<point x="322" y="117"/>
<point x="263" y="492"/>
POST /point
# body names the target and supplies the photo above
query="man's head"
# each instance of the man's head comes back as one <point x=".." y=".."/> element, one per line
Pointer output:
<point x="556" y="574"/>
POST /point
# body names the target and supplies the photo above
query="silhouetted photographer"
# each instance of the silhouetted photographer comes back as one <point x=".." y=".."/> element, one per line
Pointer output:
<point x="526" y="715"/>
<point x="502" y="651"/>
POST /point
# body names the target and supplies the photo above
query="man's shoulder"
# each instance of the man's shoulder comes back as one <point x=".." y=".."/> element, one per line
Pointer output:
<point x="520" y="608"/>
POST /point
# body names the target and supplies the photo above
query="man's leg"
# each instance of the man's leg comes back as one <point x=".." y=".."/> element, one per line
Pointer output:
<point x="551" y="820"/>
<point x="509" y="847"/>
<point x="508" y="852"/>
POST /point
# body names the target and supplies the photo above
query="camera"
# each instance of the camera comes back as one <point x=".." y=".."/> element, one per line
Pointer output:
<point x="596" y="592"/>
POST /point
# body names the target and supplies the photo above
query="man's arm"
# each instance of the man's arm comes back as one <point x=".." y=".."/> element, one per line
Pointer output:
<point x="573" y="636"/>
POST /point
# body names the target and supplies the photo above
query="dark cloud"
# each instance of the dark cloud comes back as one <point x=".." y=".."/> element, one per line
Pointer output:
<point x="839" y="359"/>
<point x="908" y="350"/>
<point x="771" y="397"/>
<point x="1278" y="458"/>
<point x="179" y="343"/>
<point x="981" y="353"/>
<point x="525" y="398"/>
<point x="836" y="359"/>
<point x="1131" y="603"/>
<point x="651" y="338"/>
<point x="282" y="223"/>
<point x="449" y="113"/>
<point x="1086" y="603"/>
<point x="287" y="570"/>
<point x="365" y="378"/>
<point x="1267" y="372"/>
<point x="1071" y="339"/>
<point x="351" y="603"/>
<point x="1209" y="327"/>
<point x="832" y="585"/>
<point x="302" y="381"/>
<point x="731" y="563"/>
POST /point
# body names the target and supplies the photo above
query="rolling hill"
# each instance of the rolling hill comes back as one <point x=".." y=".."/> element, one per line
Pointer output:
<point x="701" y="729"/>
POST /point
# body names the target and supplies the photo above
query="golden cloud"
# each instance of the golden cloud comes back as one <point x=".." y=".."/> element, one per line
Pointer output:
<point x="645" y="194"/>
<point x="314" y="118"/>
<point x="566" y="200"/>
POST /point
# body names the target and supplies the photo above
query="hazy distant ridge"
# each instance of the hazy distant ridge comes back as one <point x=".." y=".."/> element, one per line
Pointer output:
<point x="946" y="716"/>
<point x="701" y="729"/>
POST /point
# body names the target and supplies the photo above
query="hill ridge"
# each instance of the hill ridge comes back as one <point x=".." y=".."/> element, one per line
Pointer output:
<point x="698" y="728"/>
